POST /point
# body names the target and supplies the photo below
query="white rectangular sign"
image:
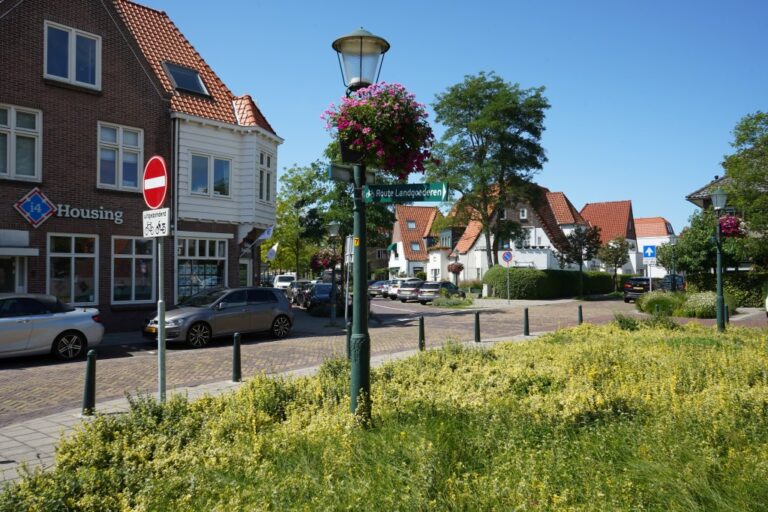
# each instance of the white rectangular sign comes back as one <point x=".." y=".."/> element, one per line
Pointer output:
<point x="156" y="222"/>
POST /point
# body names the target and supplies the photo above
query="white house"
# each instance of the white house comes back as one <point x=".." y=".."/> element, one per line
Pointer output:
<point x="615" y="219"/>
<point x="654" y="231"/>
<point x="411" y="236"/>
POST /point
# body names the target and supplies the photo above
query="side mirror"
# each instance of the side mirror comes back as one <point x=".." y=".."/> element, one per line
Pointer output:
<point x="220" y="306"/>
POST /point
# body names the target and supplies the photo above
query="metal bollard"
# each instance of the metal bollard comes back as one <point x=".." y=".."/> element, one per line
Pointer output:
<point x="477" y="327"/>
<point x="349" y="338"/>
<point x="236" y="367"/>
<point x="89" y="393"/>
<point x="580" y="315"/>
<point x="526" y="325"/>
<point x="422" y="340"/>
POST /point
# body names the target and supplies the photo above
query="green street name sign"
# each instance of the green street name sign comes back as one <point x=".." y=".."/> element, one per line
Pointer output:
<point x="406" y="193"/>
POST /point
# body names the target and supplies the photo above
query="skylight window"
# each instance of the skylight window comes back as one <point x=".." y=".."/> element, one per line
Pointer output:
<point x="185" y="79"/>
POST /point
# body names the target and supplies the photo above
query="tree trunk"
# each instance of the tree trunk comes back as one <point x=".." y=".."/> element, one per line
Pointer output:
<point x="581" y="278"/>
<point x="615" y="284"/>
<point x="488" y="248"/>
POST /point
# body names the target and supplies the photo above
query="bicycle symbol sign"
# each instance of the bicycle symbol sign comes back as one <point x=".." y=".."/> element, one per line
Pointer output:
<point x="156" y="222"/>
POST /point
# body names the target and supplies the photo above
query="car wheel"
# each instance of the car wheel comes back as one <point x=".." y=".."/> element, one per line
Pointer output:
<point x="463" y="295"/>
<point x="281" y="326"/>
<point x="626" y="301"/>
<point x="198" y="335"/>
<point x="403" y="300"/>
<point x="392" y="298"/>
<point x="423" y="302"/>
<point x="69" y="345"/>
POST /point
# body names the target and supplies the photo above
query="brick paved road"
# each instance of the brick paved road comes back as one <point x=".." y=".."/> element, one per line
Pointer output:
<point x="33" y="387"/>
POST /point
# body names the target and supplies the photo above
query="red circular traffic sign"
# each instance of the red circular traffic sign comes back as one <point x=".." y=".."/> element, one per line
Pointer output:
<point x="155" y="182"/>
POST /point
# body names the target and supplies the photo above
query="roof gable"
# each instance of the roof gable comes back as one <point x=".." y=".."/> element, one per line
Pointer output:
<point x="614" y="218"/>
<point x="563" y="209"/>
<point x="160" y="41"/>
<point x="653" y="226"/>
<point x="421" y="219"/>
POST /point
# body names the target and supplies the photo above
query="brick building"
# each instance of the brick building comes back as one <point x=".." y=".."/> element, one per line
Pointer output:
<point x="91" y="90"/>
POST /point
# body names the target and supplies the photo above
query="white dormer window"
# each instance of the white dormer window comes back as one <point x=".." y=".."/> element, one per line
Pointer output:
<point x="415" y="246"/>
<point x="523" y="213"/>
<point x="411" y="224"/>
<point x="72" y="56"/>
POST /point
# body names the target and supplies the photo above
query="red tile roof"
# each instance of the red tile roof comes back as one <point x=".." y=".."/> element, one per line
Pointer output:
<point x="423" y="216"/>
<point x="653" y="226"/>
<point x="159" y="40"/>
<point x="614" y="218"/>
<point x="468" y="238"/>
<point x="565" y="212"/>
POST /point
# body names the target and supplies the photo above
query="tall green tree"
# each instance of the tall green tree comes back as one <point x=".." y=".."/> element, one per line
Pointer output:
<point x="615" y="254"/>
<point x="748" y="189"/>
<point x="490" y="148"/>
<point x="583" y="244"/>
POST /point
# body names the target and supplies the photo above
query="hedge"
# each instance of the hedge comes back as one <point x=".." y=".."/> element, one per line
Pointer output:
<point x="747" y="289"/>
<point x="529" y="283"/>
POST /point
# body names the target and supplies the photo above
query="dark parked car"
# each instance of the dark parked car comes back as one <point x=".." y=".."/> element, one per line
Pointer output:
<point x="319" y="295"/>
<point x="679" y="282"/>
<point x="636" y="286"/>
<point x="222" y="311"/>
<point x="434" y="289"/>
<point x="409" y="290"/>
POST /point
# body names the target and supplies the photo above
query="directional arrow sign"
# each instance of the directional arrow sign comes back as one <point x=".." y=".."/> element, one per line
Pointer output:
<point x="649" y="251"/>
<point x="422" y="192"/>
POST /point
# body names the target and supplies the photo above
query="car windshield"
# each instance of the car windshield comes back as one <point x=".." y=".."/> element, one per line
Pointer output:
<point x="285" y="279"/>
<point x="430" y="286"/>
<point x="202" y="299"/>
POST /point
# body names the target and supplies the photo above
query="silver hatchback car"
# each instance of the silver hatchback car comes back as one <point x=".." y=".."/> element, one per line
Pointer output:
<point x="42" y="324"/>
<point x="222" y="311"/>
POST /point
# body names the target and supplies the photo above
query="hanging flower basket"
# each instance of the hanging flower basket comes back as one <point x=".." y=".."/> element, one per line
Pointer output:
<point x="324" y="259"/>
<point x="455" y="268"/>
<point x="382" y="126"/>
<point x="732" y="226"/>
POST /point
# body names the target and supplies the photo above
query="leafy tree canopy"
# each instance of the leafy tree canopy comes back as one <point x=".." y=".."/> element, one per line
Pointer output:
<point x="614" y="254"/>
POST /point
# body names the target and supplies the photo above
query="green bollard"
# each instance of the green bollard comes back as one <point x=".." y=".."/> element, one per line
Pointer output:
<point x="349" y="337"/>
<point x="236" y="367"/>
<point x="422" y="340"/>
<point x="89" y="393"/>
<point x="477" y="327"/>
<point x="581" y="315"/>
<point x="526" y="325"/>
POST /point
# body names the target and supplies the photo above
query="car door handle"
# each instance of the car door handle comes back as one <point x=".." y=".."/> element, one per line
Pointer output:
<point x="22" y="321"/>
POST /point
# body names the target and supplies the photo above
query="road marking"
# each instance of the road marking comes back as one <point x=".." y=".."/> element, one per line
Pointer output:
<point x="395" y="309"/>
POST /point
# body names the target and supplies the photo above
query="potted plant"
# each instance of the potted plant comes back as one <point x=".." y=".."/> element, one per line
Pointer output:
<point x="455" y="268"/>
<point x="731" y="226"/>
<point x="382" y="126"/>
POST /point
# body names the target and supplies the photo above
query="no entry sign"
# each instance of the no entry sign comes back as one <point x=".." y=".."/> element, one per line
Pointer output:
<point x="155" y="182"/>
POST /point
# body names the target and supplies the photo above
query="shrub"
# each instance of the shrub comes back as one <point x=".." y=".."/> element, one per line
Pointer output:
<point x="668" y="302"/>
<point x="747" y="289"/>
<point x="529" y="283"/>
<point x="702" y="305"/>
<point x="471" y="284"/>
<point x="421" y="275"/>
<point x="452" y="302"/>
<point x="626" y="322"/>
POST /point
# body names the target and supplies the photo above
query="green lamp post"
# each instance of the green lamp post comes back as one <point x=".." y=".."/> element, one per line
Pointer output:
<point x="719" y="198"/>
<point x="672" y="244"/>
<point x="360" y="57"/>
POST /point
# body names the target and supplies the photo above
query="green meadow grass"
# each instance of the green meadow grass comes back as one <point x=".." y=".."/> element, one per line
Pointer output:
<point x="589" y="418"/>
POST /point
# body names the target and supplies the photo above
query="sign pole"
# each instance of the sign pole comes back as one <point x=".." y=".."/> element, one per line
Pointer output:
<point x="160" y="324"/>
<point x="507" y="282"/>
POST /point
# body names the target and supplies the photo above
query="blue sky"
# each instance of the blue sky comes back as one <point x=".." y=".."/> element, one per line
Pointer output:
<point x="644" y="95"/>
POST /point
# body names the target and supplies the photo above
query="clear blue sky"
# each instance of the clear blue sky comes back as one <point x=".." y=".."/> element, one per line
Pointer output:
<point x="644" y="95"/>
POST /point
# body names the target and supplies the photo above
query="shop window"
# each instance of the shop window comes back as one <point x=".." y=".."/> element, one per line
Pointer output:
<point x="20" y="145"/>
<point x="133" y="264"/>
<point x="72" y="269"/>
<point x="72" y="56"/>
<point x="202" y="263"/>
<point x="210" y="176"/>
<point x="121" y="155"/>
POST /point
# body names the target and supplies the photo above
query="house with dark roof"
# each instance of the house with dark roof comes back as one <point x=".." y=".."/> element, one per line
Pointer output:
<point x="92" y="90"/>
<point x="615" y="218"/>
<point x="411" y="237"/>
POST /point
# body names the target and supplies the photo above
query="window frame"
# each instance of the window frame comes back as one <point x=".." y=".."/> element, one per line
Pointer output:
<point x="418" y="246"/>
<point x="211" y="166"/>
<point x="133" y="257"/>
<point x="523" y="213"/>
<point x="167" y="65"/>
<point x="119" y="147"/>
<point x="12" y="132"/>
<point x="410" y="224"/>
<point x="183" y="253"/>
<point x="72" y="255"/>
<point x="72" y="56"/>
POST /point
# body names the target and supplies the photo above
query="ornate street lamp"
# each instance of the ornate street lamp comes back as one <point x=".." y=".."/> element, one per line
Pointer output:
<point x="719" y="198"/>
<point x="673" y="243"/>
<point x="333" y="233"/>
<point x="360" y="57"/>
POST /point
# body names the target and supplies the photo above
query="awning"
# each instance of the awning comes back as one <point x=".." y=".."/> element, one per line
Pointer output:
<point x="392" y="247"/>
<point x="19" y="251"/>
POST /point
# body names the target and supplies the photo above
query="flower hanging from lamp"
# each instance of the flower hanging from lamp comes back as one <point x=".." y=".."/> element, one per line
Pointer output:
<point x="384" y="127"/>
<point x="323" y="259"/>
<point x="455" y="268"/>
<point x="731" y="226"/>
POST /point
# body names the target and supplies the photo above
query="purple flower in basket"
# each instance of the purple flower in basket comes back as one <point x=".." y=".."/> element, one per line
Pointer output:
<point x="731" y="226"/>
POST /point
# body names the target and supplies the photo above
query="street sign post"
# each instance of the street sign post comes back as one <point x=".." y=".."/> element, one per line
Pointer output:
<point x="156" y="223"/>
<point x="343" y="172"/>
<point x="406" y="193"/>
<point x="507" y="257"/>
<point x="649" y="258"/>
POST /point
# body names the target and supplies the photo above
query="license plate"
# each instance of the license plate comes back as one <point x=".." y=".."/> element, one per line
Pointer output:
<point x="150" y="330"/>
<point x="638" y="288"/>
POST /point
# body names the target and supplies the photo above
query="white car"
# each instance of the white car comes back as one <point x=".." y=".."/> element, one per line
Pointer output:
<point x="283" y="281"/>
<point x="42" y="324"/>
